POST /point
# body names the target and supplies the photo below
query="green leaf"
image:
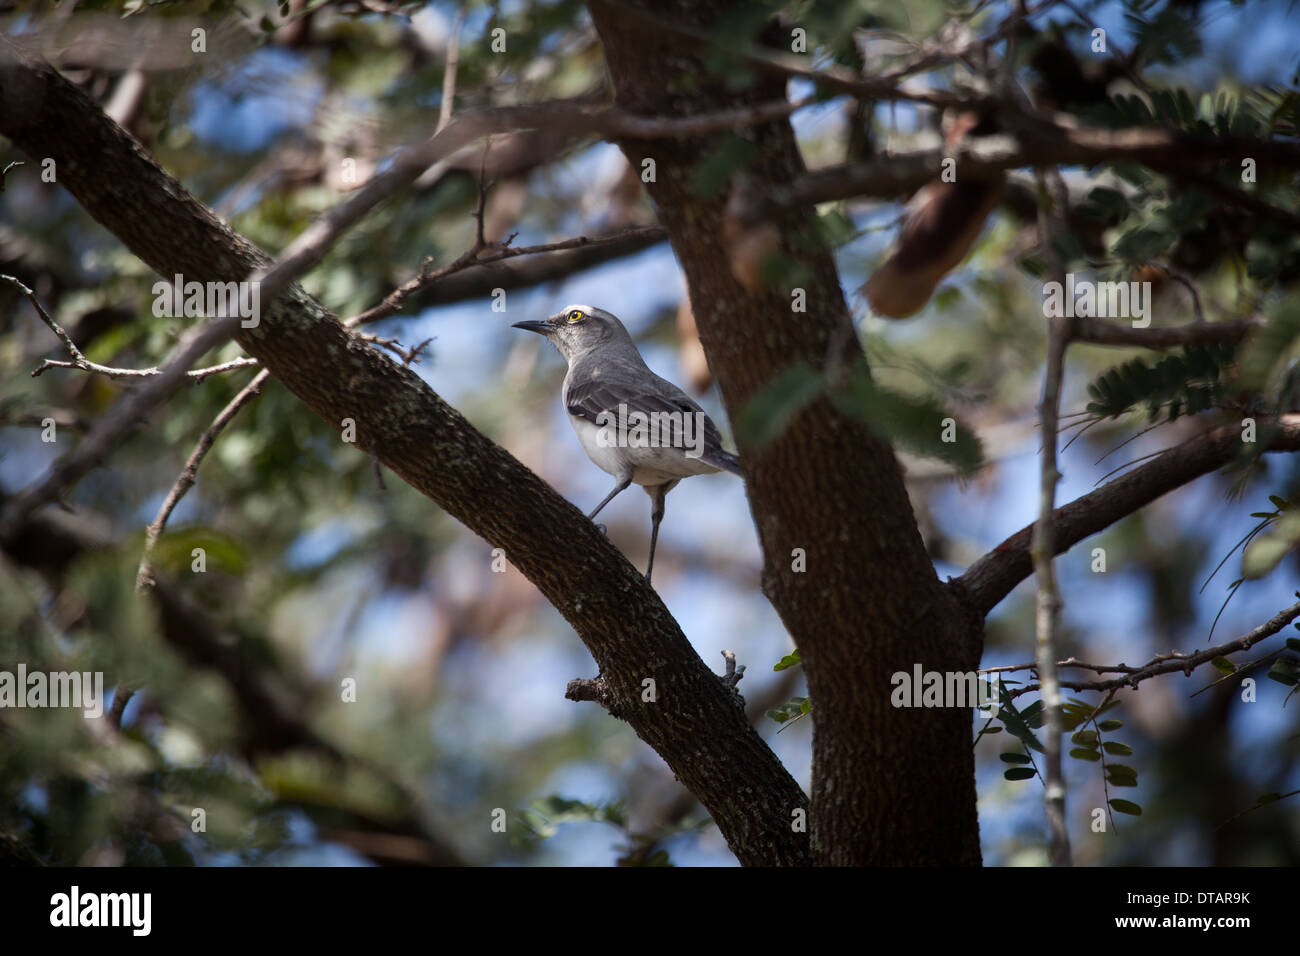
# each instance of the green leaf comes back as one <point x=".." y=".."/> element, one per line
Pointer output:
<point x="836" y="228"/>
<point x="1080" y="753"/>
<point x="1033" y="714"/>
<point x="1015" y="723"/>
<point x="1139" y="246"/>
<point x="1180" y="384"/>
<point x="1263" y="555"/>
<point x="1105" y="205"/>
<point x="792" y="708"/>
<point x="1268" y="346"/>
<point x="1223" y="665"/>
<point x="711" y="174"/>
<point x="1125" y="806"/>
<point x="175" y="550"/>
<point x="1034" y="264"/>
<point x="1019" y="773"/>
<point x="1084" y="737"/>
<point x="790" y="660"/>
<point x="1120" y="775"/>
<point x="1112" y="724"/>
<point x="1284" y="671"/>
<point x="1120" y="750"/>
<point x="767" y="415"/>
<point x="1014" y="757"/>
<point x="919" y="424"/>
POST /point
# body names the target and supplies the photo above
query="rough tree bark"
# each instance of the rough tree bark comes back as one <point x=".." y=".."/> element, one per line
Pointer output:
<point x="696" y="723"/>
<point x="890" y="786"/>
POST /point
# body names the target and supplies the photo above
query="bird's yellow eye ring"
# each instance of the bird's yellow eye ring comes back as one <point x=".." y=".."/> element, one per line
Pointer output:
<point x="575" y="315"/>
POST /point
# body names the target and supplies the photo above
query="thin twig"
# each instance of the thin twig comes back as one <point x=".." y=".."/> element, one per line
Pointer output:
<point x="1052" y="211"/>
<point x="392" y="303"/>
<point x="79" y="361"/>
<point x="144" y="578"/>
<point x="1101" y="750"/>
<point x="1131" y="438"/>
<point x="122" y="695"/>
<point x="1068" y="662"/>
<point x="109" y="431"/>
<point x="1177" y="661"/>
<point x="5" y="172"/>
<point x="408" y="356"/>
<point x="1190" y="286"/>
<point x="1258" y="806"/>
<point x="449" y="71"/>
<point x="480" y="242"/>
<point x="1242" y="670"/>
<point x="197" y="374"/>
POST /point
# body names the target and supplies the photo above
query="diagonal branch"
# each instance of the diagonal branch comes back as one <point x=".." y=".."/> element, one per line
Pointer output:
<point x="991" y="578"/>
<point x="695" y="724"/>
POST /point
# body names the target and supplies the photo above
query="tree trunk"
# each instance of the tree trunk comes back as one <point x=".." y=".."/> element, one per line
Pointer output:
<point x="890" y="786"/>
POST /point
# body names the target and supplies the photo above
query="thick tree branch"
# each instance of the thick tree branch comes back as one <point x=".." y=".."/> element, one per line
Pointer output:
<point x="1034" y="144"/>
<point x="991" y="578"/>
<point x="1102" y="332"/>
<point x="694" y="724"/>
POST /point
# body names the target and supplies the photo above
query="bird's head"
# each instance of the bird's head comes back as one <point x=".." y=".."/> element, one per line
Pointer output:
<point x="577" y="329"/>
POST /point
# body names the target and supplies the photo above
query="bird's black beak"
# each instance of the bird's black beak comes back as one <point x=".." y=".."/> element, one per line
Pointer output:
<point x="541" y="328"/>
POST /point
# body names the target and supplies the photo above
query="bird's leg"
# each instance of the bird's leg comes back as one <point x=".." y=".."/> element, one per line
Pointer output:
<point x="657" y="496"/>
<point x="621" y="486"/>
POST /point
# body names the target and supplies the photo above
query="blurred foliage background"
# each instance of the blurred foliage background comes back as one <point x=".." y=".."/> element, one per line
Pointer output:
<point x="316" y="576"/>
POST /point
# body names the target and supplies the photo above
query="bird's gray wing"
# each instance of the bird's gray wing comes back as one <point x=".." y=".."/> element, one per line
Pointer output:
<point x="591" y="398"/>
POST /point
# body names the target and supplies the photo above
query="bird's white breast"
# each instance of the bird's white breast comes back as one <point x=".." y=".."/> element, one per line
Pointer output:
<point x="650" y="465"/>
<point x="607" y="457"/>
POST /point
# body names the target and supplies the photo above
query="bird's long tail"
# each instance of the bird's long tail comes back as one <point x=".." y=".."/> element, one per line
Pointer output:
<point x="726" y="461"/>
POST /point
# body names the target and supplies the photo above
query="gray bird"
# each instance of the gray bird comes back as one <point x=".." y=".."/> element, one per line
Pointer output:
<point x="638" y="427"/>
